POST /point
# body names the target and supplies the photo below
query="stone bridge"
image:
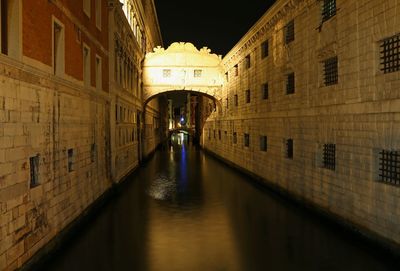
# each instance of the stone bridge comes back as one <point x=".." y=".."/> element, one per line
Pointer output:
<point x="182" y="67"/>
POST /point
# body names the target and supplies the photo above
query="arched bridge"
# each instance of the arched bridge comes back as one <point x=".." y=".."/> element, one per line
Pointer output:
<point x="182" y="67"/>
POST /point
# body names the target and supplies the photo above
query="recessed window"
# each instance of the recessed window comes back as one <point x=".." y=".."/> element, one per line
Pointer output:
<point x="264" y="49"/>
<point x="236" y="99"/>
<point x="328" y="9"/>
<point x="98" y="13"/>
<point x="390" y="54"/>
<point x="389" y="166"/>
<point x="197" y="73"/>
<point x="263" y="143"/>
<point x="329" y="156"/>
<point x="34" y="171"/>
<point x="246" y="140"/>
<point x="58" y="49"/>
<point x="331" y="71"/>
<point x="86" y="66"/>
<point x="219" y="134"/>
<point x="99" y="79"/>
<point x="290" y="83"/>
<point x="234" y="138"/>
<point x="71" y="160"/>
<point x="236" y="70"/>
<point x="166" y="73"/>
<point x="289" y="148"/>
<point x="264" y="91"/>
<point x="247" y="62"/>
<point x="289" y="32"/>
<point x="248" y="96"/>
<point x="4" y="27"/>
<point x="11" y="28"/>
<point x="86" y="7"/>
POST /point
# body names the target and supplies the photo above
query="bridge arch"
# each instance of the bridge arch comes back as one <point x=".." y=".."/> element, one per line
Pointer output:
<point x="182" y="67"/>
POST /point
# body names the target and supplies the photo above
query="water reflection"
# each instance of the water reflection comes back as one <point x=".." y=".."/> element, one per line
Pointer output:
<point x="187" y="211"/>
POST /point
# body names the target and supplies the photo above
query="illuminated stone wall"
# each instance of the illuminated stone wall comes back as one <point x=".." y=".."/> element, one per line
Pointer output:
<point x="358" y="114"/>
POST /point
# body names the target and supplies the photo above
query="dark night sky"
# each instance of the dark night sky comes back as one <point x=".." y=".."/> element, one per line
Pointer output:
<point x="217" y="24"/>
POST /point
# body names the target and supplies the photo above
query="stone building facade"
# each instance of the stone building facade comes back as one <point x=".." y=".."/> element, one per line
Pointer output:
<point x="58" y="118"/>
<point x="311" y="106"/>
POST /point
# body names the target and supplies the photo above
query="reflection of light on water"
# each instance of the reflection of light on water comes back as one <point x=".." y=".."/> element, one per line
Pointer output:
<point x="162" y="188"/>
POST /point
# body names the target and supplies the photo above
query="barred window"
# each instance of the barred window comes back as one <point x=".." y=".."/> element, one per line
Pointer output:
<point x="290" y="87"/>
<point x="264" y="91"/>
<point x="331" y="71"/>
<point x="166" y="73"/>
<point x="289" y="148"/>
<point x="34" y="171"/>
<point x="289" y="32"/>
<point x="389" y="166"/>
<point x="236" y="100"/>
<point x="246" y="140"/>
<point x="390" y="54"/>
<point x="329" y="156"/>
<point x="328" y="9"/>
<point x="248" y="96"/>
<point x="236" y="69"/>
<point x="234" y="137"/>
<point x="247" y="62"/>
<point x="263" y="143"/>
<point x="197" y="73"/>
<point x="264" y="49"/>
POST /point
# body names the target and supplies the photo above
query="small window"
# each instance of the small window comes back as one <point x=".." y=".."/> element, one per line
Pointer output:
<point x="98" y="14"/>
<point x="264" y="49"/>
<point x="234" y="138"/>
<point x="86" y="66"/>
<point x="93" y="153"/>
<point x="289" y="148"/>
<point x="99" y="79"/>
<point x="219" y="134"/>
<point x="289" y="32"/>
<point x="331" y="71"/>
<point x="197" y="73"/>
<point x="264" y="91"/>
<point x="71" y="160"/>
<point x="263" y="143"/>
<point x="247" y="62"/>
<point x="248" y="96"/>
<point x="236" y="70"/>
<point x="34" y="171"/>
<point x="166" y="73"/>
<point x="86" y="7"/>
<point x="236" y="100"/>
<point x="389" y="167"/>
<point x="329" y="156"/>
<point x="290" y="87"/>
<point x="390" y="54"/>
<point x="246" y="140"/>
<point x="328" y="9"/>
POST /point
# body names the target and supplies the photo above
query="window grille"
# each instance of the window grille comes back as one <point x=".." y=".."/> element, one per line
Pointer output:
<point x="328" y="9"/>
<point x="329" y="156"/>
<point x="331" y="71"/>
<point x="289" y="148"/>
<point x="264" y="49"/>
<point x="263" y="143"/>
<point x="248" y="96"/>
<point x="264" y="91"/>
<point x="289" y="32"/>
<point x="390" y="54"/>
<point x="389" y="167"/>
<point x="290" y="87"/>
<point x="246" y="140"/>
<point x="34" y="170"/>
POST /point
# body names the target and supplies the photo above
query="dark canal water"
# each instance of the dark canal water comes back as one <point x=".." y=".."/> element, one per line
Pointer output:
<point x="186" y="211"/>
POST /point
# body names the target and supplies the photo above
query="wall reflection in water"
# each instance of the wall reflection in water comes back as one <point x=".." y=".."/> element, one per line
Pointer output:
<point x="187" y="211"/>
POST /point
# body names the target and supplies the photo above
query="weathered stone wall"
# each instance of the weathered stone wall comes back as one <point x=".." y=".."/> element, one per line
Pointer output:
<point x="360" y="114"/>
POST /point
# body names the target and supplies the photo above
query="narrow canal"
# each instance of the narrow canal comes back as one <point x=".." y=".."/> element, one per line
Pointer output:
<point x="187" y="211"/>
